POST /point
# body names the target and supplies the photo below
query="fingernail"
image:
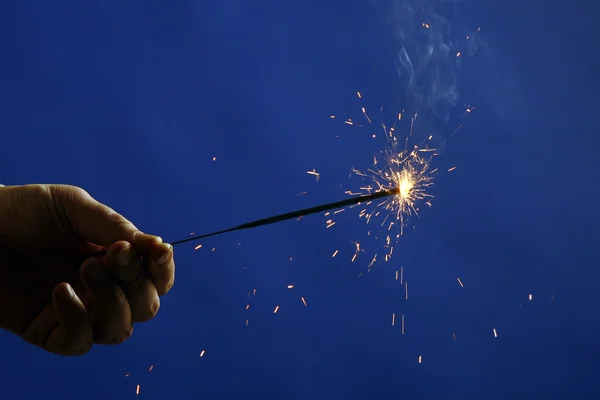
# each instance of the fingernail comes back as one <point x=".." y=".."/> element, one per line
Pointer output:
<point x="166" y="248"/>
<point x="71" y="291"/>
<point x="144" y="237"/>
<point x="96" y="271"/>
<point x="123" y="257"/>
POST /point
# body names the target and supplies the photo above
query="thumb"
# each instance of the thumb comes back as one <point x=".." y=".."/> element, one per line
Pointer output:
<point x="98" y="223"/>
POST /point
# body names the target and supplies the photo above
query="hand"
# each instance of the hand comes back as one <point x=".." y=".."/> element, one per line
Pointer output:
<point x="73" y="272"/>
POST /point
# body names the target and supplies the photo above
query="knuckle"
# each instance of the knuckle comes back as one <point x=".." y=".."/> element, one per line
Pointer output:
<point x="149" y="311"/>
<point x="71" y="194"/>
<point x="76" y="191"/>
<point x="167" y="286"/>
<point x="126" y="334"/>
<point x="112" y="333"/>
<point x="81" y="350"/>
<point x="153" y="309"/>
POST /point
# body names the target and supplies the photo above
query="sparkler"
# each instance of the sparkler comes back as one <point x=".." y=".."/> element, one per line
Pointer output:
<point x="389" y="192"/>
<point x="402" y="183"/>
<point x="410" y="174"/>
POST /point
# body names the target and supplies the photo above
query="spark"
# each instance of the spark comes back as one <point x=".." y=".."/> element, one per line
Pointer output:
<point x="459" y="282"/>
<point x="403" y="324"/>
<point x="530" y="297"/>
<point x="454" y="336"/>
<point x="451" y="169"/>
<point x="406" y="290"/>
<point x="468" y="109"/>
<point x="393" y="319"/>
<point x="356" y="251"/>
<point x="420" y="359"/>
<point x="407" y="172"/>
<point x="290" y="286"/>
<point x="452" y="135"/>
<point x="303" y="301"/>
<point x="495" y="333"/>
<point x="202" y="353"/>
<point x="151" y="368"/>
<point x="315" y="173"/>
<point x="332" y="116"/>
<point x="137" y="390"/>
<point x="198" y="247"/>
<point x="276" y="309"/>
<point x="372" y="263"/>
<point x="359" y="95"/>
<point x="334" y="253"/>
<point x="364" y="111"/>
<point x="214" y="158"/>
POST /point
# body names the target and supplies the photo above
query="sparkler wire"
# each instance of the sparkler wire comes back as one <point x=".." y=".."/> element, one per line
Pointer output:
<point x="298" y="213"/>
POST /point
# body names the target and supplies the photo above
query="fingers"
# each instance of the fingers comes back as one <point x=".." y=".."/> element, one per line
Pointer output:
<point x="161" y="266"/>
<point x="123" y="291"/>
<point x="111" y="313"/>
<point x="74" y="335"/>
<point x="134" y="280"/>
<point x="96" y="222"/>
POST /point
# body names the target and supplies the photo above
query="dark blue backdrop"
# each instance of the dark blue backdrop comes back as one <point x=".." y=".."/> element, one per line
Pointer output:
<point x="132" y="102"/>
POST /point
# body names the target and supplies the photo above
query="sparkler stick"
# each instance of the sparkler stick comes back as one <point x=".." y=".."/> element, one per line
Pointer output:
<point x="299" y="213"/>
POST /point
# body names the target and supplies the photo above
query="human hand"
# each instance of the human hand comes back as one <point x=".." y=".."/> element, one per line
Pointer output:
<point x="73" y="272"/>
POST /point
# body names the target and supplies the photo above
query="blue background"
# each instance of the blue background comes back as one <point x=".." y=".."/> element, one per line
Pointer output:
<point x="132" y="102"/>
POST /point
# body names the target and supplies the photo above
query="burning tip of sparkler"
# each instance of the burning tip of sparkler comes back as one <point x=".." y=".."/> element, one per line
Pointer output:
<point x="405" y="176"/>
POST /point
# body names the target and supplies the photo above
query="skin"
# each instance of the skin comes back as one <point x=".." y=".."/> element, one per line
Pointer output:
<point x="73" y="272"/>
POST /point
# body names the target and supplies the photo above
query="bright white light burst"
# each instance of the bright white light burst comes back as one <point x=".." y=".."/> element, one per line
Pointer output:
<point x="408" y="172"/>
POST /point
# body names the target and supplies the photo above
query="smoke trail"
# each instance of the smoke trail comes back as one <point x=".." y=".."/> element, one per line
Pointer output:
<point x="430" y="53"/>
